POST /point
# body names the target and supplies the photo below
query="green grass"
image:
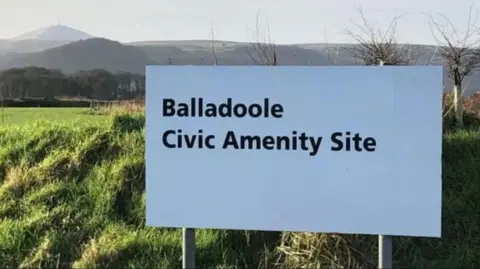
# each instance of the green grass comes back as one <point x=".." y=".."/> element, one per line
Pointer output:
<point x="73" y="196"/>
<point x="15" y="116"/>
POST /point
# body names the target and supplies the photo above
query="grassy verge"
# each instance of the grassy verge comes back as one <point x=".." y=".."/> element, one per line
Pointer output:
<point x="19" y="116"/>
<point x="72" y="196"/>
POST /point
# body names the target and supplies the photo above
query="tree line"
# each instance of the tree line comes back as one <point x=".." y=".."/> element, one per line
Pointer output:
<point x="39" y="82"/>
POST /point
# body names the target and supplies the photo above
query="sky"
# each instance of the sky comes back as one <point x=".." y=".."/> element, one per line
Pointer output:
<point x="289" y="21"/>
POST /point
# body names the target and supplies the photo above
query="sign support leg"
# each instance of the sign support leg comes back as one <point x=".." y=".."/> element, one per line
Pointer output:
<point x="188" y="248"/>
<point x="384" y="252"/>
<point x="384" y="242"/>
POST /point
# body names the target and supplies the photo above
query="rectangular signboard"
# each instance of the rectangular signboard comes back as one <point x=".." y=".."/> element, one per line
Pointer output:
<point x="344" y="149"/>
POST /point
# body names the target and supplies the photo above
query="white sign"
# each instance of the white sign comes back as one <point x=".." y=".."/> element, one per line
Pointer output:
<point x="320" y="149"/>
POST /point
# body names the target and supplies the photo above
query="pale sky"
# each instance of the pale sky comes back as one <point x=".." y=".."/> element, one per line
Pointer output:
<point x="290" y="21"/>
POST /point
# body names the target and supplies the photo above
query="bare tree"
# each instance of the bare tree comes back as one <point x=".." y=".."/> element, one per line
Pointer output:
<point x="375" y="46"/>
<point x="264" y="52"/>
<point x="461" y="52"/>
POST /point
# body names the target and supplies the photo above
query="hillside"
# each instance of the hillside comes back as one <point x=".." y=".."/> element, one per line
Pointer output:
<point x="114" y="56"/>
<point x="72" y="195"/>
<point x="27" y="46"/>
<point x="88" y="54"/>
<point x="42" y="39"/>
<point x="54" y="33"/>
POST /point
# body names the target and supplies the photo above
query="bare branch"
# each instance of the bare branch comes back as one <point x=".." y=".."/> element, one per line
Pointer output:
<point x="459" y="49"/>
<point x="375" y="46"/>
<point x="264" y="50"/>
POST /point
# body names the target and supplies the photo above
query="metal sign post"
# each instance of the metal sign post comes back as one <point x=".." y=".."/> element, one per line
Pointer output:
<point x="188" y="248"/>
<point x="384" y="241"/>
<point x="384" y="252"/>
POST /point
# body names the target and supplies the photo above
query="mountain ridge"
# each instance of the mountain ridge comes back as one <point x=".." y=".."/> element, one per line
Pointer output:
<point x="93" y="53"/>
<point x="78" y="55"/>
<point x="54" y="33"/>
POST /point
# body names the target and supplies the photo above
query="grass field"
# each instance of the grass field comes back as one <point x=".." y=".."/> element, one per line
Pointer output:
<point x="73" y="196"/>
<point x="27" y="115"/>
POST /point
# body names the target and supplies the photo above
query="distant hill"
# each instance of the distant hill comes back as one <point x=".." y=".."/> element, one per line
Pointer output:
<point x="31" y="45"/>
<point x="84" y="55"/>
<point x="42" y="39"/>
<point x="54" y="33"/>
<point x="52" y="48"/>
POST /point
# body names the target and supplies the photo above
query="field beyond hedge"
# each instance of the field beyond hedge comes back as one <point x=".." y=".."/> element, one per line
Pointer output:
<point x="72" y="195"/>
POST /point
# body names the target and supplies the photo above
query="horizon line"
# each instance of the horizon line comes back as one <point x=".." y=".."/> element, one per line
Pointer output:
<point x="206" y="40"/>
